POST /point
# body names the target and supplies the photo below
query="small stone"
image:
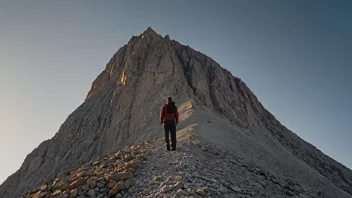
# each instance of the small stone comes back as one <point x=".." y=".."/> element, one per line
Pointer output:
<point x="182" y="192"/>
<point x="141" y="157"/>
<point x="44" y="187"/>
<point x="85" y="187"/>
<point x="222" y="189"/>
<point x="135" y="164"/>
<point x="206" y="189"/>
<point x="200" y="192"/>
<point x="130" y="170"/>
<point x="117" y="188"/>
<point x="74" y="193"/>
<point x="191" y="192"/>
<point x="57" y="192"/>
<point x="186" y="185"/>
<point x="91" y="193"/>
<point x="236" y="188"/>
<point x="77" y="183"/>
<point x="132" y="148"/>
<point x="146" y="191"/>
<point x="118" y="195"/>
<point x="128" y="158"/>
<point x="158" y="178"/>
<point x="92" y="182"/>
<point x="127" y="183"/>
<point x="178" y="185"/>
<point x="121" y="176"/>
<point x="275" y="181"/>
<point x="112" y="183"/>
<point x="85" y="173"/>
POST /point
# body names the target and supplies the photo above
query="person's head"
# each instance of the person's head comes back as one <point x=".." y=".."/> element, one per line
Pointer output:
<point x="169" y="99"/>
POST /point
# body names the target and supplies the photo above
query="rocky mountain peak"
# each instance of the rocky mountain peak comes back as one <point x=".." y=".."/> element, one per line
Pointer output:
<point x="122" y="110"/>
<point x="149" y="31"/>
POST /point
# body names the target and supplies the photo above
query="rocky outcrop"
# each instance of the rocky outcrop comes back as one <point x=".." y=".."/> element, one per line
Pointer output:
<point x="105" y="176"/>
<point x="122" y="109"/>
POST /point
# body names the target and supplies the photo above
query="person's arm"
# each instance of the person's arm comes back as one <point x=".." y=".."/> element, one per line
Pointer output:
<point x="176" y="115"/>
<point x="162" y="115"/>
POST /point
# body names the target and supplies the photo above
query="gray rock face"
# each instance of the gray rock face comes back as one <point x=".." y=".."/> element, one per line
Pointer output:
<point x="122" y="108"/>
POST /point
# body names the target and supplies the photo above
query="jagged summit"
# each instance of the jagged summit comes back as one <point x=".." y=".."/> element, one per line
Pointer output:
<point x="122" y="109"/>
<point x="150" y="31"/>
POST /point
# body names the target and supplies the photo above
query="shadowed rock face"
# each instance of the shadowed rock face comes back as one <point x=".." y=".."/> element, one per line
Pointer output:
<point x="122" y="108"/>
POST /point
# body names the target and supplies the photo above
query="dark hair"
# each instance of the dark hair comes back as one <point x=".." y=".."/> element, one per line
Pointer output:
<point x="169" y="99"/>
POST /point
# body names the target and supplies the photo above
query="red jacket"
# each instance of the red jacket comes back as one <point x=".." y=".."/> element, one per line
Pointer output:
<point x="168" y="116"/>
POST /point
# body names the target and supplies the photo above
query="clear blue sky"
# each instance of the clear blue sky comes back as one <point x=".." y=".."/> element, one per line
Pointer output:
<point x="296" y="56"/>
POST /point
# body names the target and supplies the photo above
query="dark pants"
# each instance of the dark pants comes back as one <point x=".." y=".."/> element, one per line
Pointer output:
<point x="170" y="127"/>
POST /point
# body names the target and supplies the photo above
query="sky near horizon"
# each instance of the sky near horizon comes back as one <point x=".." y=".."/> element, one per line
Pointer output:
<point x="296" y="56"/>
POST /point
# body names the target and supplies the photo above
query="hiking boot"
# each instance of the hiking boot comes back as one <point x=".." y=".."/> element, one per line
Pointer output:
<point x="174" y="149"/>
<point x="168" y="148"/>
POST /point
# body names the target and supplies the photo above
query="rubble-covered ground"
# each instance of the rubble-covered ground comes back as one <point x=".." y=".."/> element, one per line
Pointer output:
<point x="196" y="169"/>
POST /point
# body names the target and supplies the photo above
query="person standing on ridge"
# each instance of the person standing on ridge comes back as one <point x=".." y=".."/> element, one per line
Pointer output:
<point x="169" y="116"/>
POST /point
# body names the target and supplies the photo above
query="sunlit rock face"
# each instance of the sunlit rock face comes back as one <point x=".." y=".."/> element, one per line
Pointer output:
<point x="122" y="108"/>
